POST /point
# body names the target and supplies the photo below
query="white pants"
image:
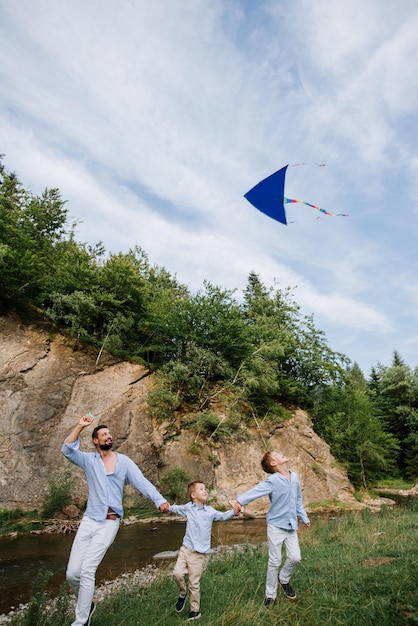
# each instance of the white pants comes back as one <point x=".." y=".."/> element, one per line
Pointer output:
<point x="89" y="547"/>
<point x="276" y="538"/>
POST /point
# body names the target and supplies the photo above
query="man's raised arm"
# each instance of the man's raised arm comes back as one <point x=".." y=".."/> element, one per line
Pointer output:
<point x="86" y="420"/>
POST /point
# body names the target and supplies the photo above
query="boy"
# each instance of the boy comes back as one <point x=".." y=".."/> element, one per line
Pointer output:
<point x="194" y="553"/>
<point x="283" y="489"/>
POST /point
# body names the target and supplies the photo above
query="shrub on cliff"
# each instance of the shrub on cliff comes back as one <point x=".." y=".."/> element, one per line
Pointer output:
<point x="60" y="492"/>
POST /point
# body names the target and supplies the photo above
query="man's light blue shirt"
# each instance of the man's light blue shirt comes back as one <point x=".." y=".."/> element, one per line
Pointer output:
<point x="285" y="498"/>
<point x="199" y="524"/>
<point x="106" y="490"/>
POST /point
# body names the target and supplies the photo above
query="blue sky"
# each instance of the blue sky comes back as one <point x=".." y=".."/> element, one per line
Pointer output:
<point x="154" y="118"/>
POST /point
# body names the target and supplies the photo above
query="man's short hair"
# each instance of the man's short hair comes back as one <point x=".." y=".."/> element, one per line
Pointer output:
<point x="96" y="430"/>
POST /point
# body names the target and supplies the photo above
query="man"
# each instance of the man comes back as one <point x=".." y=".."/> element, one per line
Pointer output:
<point x="106" y="473"/>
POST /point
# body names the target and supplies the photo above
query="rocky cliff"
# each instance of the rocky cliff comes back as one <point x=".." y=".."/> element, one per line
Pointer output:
<point x="46" y="385"/>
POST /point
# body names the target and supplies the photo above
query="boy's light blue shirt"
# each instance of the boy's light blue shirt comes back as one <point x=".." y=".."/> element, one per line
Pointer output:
<point x="285" y="497"/>
<point x="106" y="490"/>
<point x="199" y="524"/>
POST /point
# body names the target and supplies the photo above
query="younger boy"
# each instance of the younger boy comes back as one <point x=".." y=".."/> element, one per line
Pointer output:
<point x="194" y="553"/>
<point x="283" y="489"/>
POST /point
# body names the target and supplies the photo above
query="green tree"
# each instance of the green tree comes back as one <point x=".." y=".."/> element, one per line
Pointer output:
<point x="98" y="299"/>
<point x="206" y="334"/>
<point x="30" y="227"/>
<point x="346" y="418"/>
<point x="290" y="355"/>
<point x="76" y="268"/>
<point x="395" y="390"/>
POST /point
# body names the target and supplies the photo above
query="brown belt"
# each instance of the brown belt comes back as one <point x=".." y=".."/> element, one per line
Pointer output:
<point x="112" y="516"/>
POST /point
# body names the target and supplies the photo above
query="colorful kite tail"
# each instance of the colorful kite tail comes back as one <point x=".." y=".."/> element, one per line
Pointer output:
<point x="318" y="208"/>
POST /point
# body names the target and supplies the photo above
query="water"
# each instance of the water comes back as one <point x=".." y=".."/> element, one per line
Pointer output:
<point x="23" y="557"/>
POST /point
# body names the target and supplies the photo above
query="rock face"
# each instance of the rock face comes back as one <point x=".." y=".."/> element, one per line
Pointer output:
<point x="232" y="468"/>
<point x="45" y="386"/>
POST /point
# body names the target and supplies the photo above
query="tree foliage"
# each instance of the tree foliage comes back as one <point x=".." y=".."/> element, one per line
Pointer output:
<point x="395" y="390"/>
<point x="347" y="419"/>
<point x="253" y="356"/>
<point x="30" y="229"/>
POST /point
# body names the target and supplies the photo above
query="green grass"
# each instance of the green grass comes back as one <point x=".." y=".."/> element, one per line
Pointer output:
<point x="16" y="520"/>
<point x="359" y="569"/>
<point x="394" y="483"/>
<point x="143" y="510"/>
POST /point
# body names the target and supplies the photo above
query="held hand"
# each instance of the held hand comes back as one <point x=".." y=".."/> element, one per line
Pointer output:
<point x="307" y="525"/>
<point x="236" y="506"/>
<point x="164" y="507"/>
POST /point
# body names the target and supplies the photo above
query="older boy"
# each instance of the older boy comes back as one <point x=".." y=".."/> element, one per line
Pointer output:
<point x="283" y="489"/>
<point x="194" y="553"/>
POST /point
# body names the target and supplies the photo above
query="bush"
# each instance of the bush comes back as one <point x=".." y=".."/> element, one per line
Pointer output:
<point x="60" y="492"/>
<point x="36" y="613"/>
<point x="213" y="426"/>
<point x="174" y="485"/>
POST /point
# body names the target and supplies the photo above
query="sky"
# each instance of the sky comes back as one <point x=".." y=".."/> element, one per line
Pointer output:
<point x="153" y="119"/>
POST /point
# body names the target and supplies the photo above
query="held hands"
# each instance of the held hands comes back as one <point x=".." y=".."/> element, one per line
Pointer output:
<point x="164" y="507"/>
<point x="236" y="506"/>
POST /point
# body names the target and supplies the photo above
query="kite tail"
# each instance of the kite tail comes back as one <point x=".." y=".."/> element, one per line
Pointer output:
<point x="290" y="201"/>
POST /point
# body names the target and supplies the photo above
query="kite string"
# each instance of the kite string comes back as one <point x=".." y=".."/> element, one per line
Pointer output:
<point x="289" y="200"/>
<point x="317" y="164"/>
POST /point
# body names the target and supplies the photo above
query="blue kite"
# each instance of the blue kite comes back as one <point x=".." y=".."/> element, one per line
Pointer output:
<point x="268" y="196"/>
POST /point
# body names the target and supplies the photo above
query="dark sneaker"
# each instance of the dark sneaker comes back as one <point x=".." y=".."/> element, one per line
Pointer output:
<point x="194" y="615"/>
<point x="180" y="603"/>
<point x="288" y="590"/>
<point x="92" y="609"/>
<point x="269" y="601"/>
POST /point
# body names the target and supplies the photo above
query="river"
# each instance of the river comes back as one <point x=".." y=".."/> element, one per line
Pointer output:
<point x="23" y="557"/>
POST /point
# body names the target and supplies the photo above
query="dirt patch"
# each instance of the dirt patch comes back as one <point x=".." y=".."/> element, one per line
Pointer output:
<point x="374" y="562"/>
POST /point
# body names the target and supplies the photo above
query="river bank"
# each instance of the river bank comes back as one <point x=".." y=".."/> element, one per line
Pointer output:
<point x="143" y="577"/>
<point x="66" y="524"/>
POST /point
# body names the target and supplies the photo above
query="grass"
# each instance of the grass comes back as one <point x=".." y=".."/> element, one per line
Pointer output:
<point x="330" y="505"/>
<point x="359" y="569"/>
<point x="394" y="483"/>
<point x="18" y="521"/>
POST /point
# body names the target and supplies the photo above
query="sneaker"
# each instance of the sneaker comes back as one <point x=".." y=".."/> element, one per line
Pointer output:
<point x="269" y="601"/>
<point x="181" y="601"/>
<point x="194" y="615"/>
<point x="92" y="609"/>
<point x="288" y="590"/>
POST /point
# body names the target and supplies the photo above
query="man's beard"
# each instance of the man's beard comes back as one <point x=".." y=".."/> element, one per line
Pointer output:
<point x="106" y="446"/>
